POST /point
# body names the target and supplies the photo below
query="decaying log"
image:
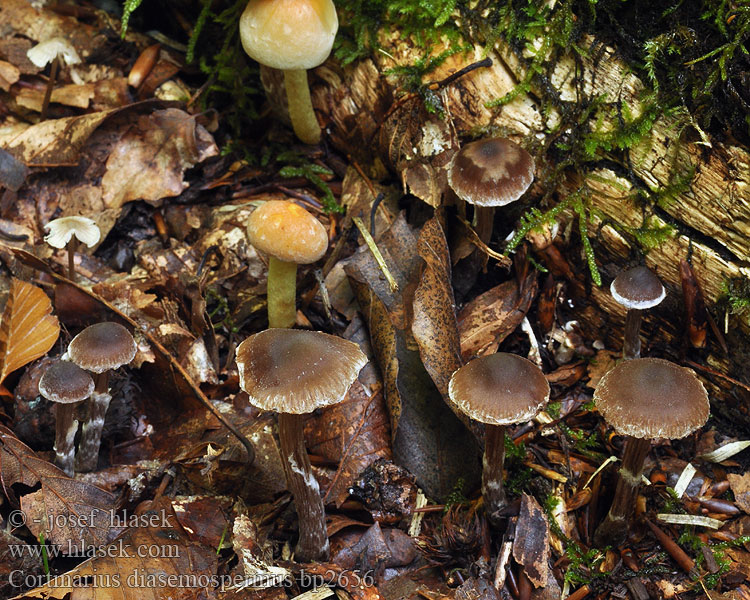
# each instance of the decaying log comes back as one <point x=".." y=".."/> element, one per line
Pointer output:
<point x="364" y="111"/>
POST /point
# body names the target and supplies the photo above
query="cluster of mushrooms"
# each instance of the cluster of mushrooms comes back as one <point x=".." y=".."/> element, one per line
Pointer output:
<point x="69" y="384"/>
<point x="641" y="398"/>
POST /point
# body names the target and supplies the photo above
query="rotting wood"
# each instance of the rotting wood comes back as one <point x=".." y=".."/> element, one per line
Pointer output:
<point x="362" y="111"/>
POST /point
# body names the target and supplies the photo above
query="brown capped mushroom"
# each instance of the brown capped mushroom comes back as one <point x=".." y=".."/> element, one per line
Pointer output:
<point x="489" y="173"/>
<point x="498" y="390"/>
<point x="67" y="385"/>
<point x="636" y="289"/>
<point x="293" y="372"/>
<point x="290" y="236"/>
<point x="644" y="398"/>
<point x="99" y="348"/>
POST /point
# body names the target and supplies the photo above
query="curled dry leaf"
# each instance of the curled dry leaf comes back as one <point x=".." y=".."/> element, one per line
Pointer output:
<point x="56" y="508"/>
<point x="54" y="142"/>
<point x="428" y="439"/>
<point x="531" y="548"/>
<point x="488" y="319"/>
<point x="434" y="322"/>
<point x="27" y="330"/>
<point x="149" y="160"/>
<point x="354" y="433"/>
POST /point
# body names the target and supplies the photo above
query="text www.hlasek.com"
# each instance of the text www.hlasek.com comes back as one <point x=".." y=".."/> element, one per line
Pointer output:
<point x="79" y="549"/>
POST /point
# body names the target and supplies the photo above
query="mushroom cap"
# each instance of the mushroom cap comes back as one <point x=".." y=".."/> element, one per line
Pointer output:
<point x="287" y="231"/>
<point x="65" y="382"/>
<point x="102" y="347"/>
<point x="491" y="172"/>
<point x="296" y="371"/>
<point x="45" y="52"/>
<point x="652" y="398"/>
<point x="289" y="34"/>
<point x="499" y="389"/>
<point x="638" y="288"/>
<point x="63" y="229"/>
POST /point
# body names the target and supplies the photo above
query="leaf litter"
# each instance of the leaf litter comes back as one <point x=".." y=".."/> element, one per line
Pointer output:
<point x="175" y="266"/>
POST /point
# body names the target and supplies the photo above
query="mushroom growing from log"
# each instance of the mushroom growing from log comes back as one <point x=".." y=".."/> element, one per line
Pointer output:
<point x="489" y="173"/>
<point x="67" y="385"/>
<point x="636" y="289"/>
<point x="99" y="348"/>
<point x="291" y="35"/>
<point x="644" y="398"/>
<point x="498" y="390"/>
<point x="290" y="236"/>
<point x="293" y="372"/>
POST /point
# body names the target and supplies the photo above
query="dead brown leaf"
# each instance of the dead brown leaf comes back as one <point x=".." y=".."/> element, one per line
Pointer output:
<point x="9" y="74"/>
<point x="428" y="439"/>
<point x="156" y="561"/>
<point x="149" y="160"/>
<point x="531" y="544"/>
<point x="434" y="322"/>
<point x="598" y="367"/>
<point x="69" y="512"/>
<point x="77" y="96"/>
<point x="740" y="485"/>
<point x="27" y="330"/>
<point x="54" y="142"/>
<point x="488" y="319"/>
<point x="354" y="433"/>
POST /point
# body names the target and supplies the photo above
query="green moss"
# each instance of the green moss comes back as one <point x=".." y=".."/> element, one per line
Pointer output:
<point x="735" y="297"/>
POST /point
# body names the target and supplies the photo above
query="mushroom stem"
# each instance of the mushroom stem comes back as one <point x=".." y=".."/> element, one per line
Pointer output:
<point x="313" y="539"/>
<point x="91" y="431"/>
<point x="484" y="217"/>
<point x="282" y="293"/>
<point x="631" y="346"/>
<point x="614" y="528"/>
<point x="301" y="112"/>
<point x="50" y="85"/>
<point x="72" y="259"/>
<point x="65" y="433"/>
<point x="493" y="491"/>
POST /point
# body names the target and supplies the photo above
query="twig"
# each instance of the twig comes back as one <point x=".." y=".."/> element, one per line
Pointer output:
<point x="686" y="563"/>
<point x="376" y="253"/>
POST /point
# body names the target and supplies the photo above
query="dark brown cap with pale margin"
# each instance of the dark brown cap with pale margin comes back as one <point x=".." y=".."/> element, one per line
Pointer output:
<point x="296" y="371"/>
<point x="65" y="382"/>
<point x="652" y="398"/>
<point x="102" y="347"/>
<point x="499" y="389"/>
<point x="287" y="232"/>
<point x="491" y="172"/>
<point x="638" y="288"/>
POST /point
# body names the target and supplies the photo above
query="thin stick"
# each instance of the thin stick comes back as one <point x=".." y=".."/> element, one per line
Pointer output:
<point x="376" y="253"/>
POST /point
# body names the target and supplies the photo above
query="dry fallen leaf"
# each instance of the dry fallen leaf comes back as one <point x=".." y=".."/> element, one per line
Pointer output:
<point x="488" y="319"/>
<point x="428" y="439"/>
<point x="27" y="330"/>
<point x="69" y="512"/>
<point x="54" y="142"/>
<point x="740" y="485"/>
<point x="531" y="544"/>
<point x="149" y="160"/>
<point x="355" y="433"/>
